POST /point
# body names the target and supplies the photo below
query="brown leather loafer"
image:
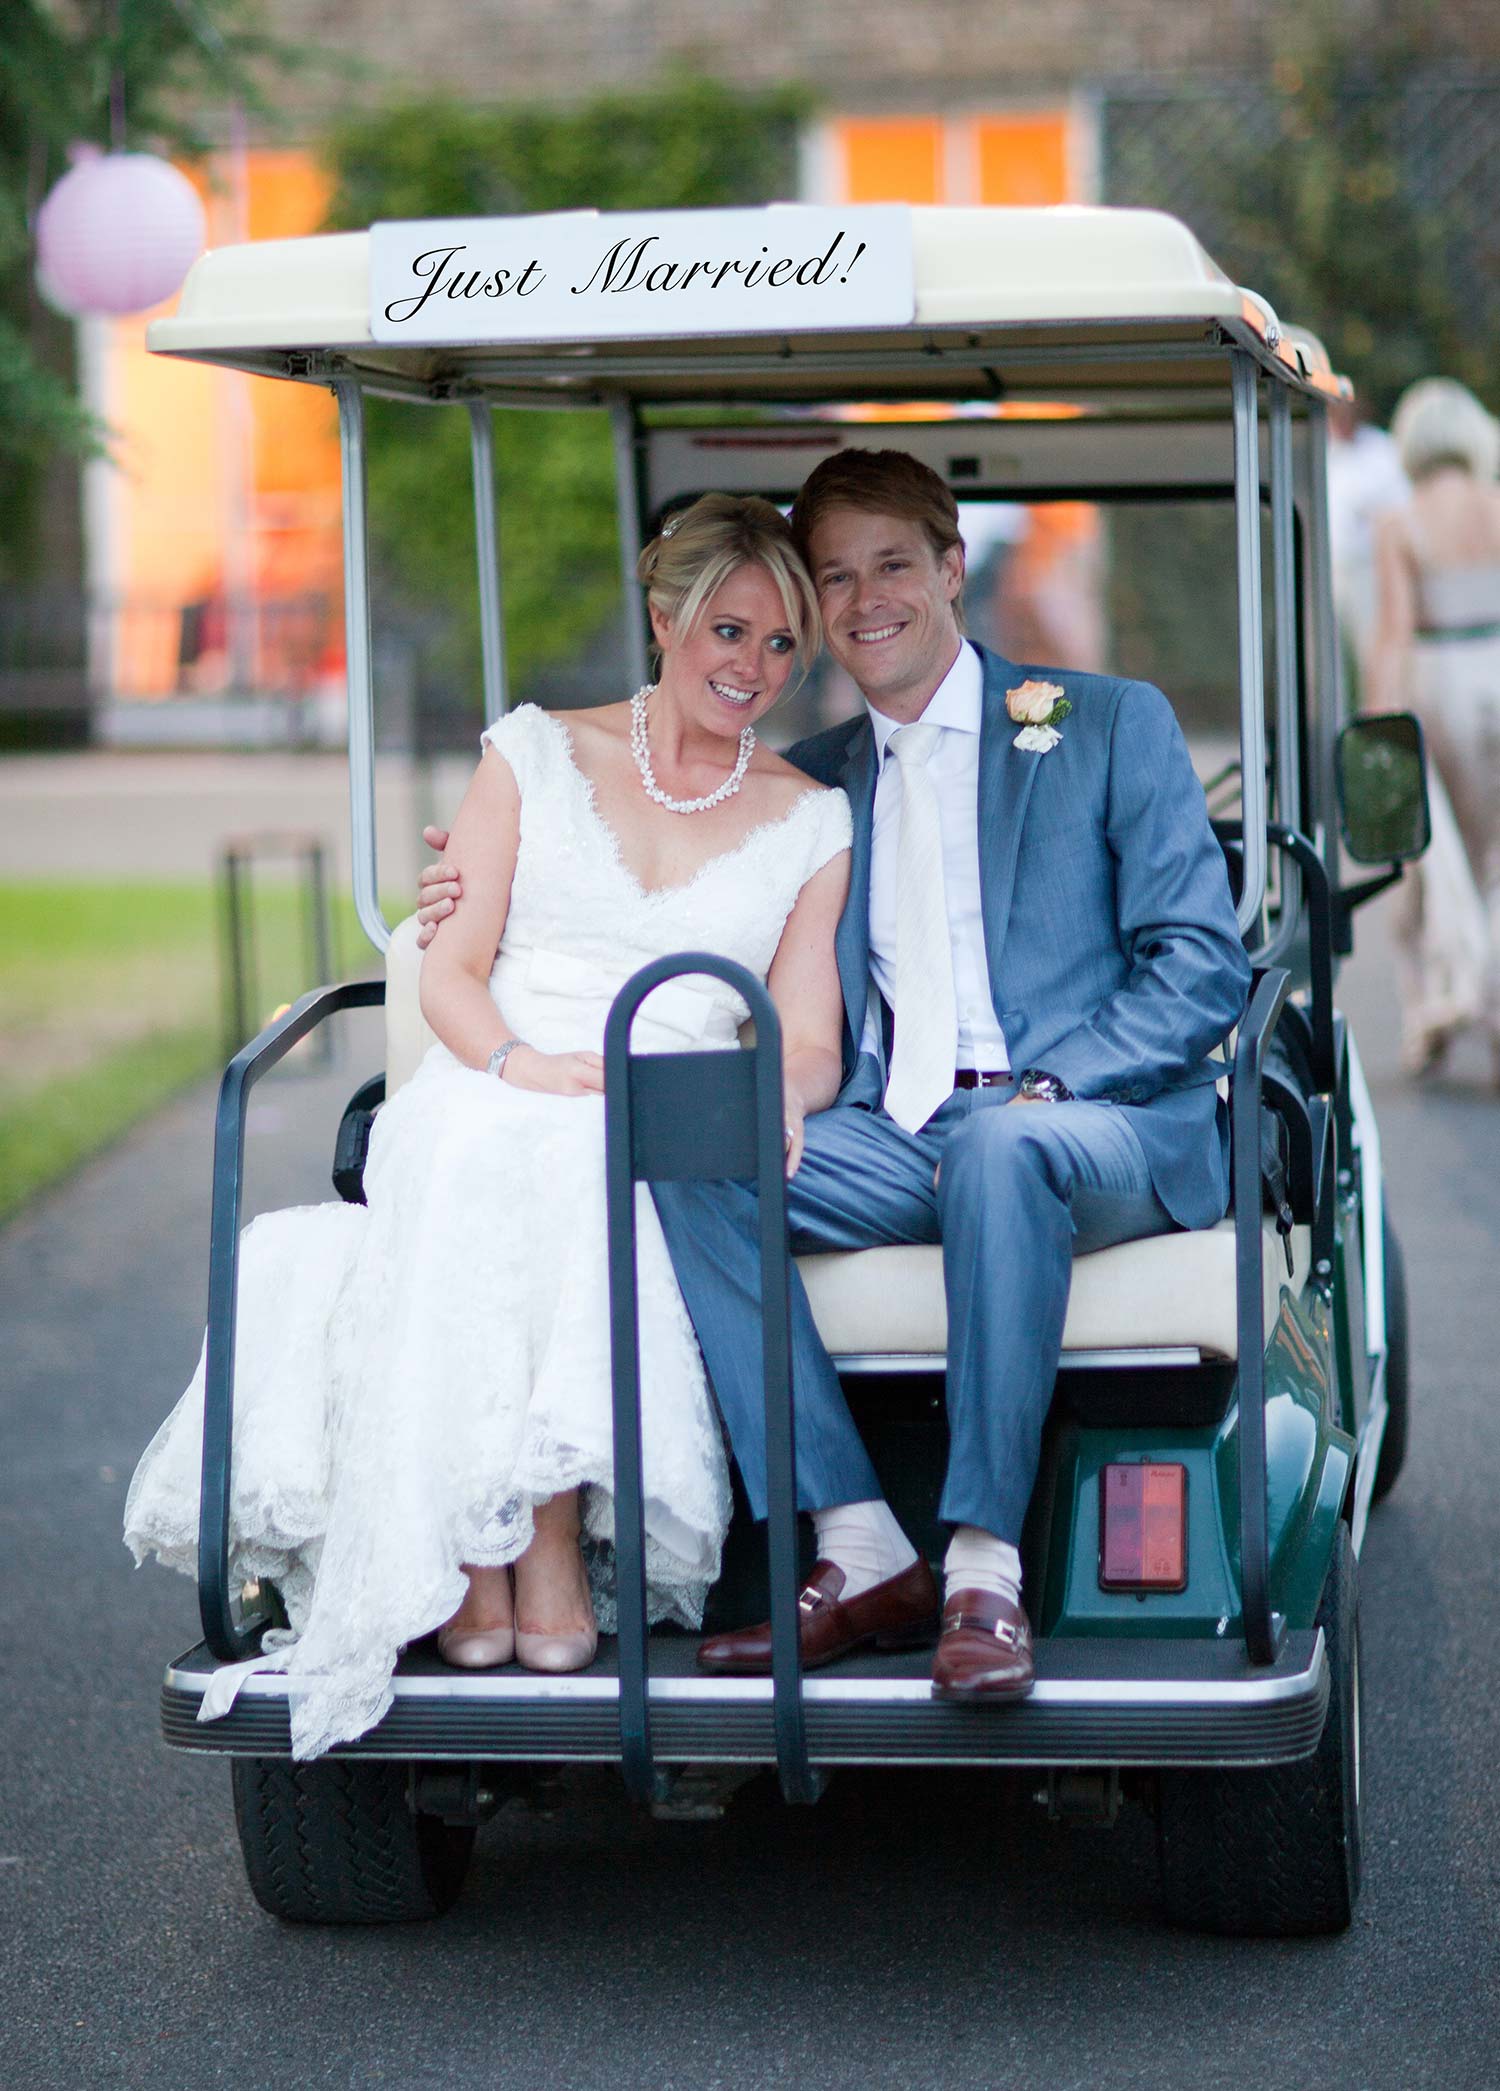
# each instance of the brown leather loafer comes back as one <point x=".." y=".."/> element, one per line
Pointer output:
<point x="984" y="1651"/>
<point x="901" y="1612"/>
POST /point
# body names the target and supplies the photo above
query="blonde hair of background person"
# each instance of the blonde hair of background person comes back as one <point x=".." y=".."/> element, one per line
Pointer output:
<point x="1450" y="451"/>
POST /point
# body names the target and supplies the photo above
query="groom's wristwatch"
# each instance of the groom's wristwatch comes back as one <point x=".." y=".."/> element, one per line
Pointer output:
<point x="1038" y="1086"/>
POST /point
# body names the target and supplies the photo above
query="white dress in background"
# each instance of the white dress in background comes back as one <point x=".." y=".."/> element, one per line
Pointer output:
<point x="413" y="1375"/>
<point x="1448" y="915"/>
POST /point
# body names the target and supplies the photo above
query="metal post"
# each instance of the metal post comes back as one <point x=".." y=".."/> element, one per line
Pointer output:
<point x="487" y="548"/>
<point x="320" y="951"/>
<point x="1288" y="646"/>
<point x="318" y="930"/>
<point x="236" y="999"/>
<point x="361" y="683"/>
<point x="1244" y="380"/>
<point x="628" y="507"/>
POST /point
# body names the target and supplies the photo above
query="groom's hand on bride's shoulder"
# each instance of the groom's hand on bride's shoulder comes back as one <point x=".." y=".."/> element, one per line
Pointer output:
<point x="439" y="889"/>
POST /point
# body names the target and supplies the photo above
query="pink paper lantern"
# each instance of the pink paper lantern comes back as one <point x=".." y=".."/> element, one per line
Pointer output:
<point x="119" y="232"/>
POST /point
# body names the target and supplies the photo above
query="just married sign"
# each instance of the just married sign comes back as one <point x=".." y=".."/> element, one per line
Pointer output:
<point x="594" y="276"/>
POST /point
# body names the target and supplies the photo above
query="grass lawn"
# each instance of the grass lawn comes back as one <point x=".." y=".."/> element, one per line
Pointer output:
<point x="111" y="1000"/>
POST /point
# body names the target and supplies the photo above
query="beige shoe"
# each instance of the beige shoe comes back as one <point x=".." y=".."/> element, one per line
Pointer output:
<point x="472" y="1648"/>
<point x="478" y="1647"/>
<point x="556" y="1652"/>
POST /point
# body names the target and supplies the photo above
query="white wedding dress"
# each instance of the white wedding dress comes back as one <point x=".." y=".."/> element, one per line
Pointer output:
<point x="413" y="1375"/>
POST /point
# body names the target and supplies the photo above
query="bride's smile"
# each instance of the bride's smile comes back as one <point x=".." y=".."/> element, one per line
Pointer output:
<point x="723" y="672"/>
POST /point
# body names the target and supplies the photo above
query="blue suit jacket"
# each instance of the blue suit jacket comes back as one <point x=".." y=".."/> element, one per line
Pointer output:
<point x="1114" y="958"/>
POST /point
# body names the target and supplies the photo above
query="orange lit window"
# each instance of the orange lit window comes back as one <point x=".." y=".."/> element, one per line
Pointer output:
<point x="893" y="159"/>
<point x="1018" y="157"/>
<point x="1023" y="159"/>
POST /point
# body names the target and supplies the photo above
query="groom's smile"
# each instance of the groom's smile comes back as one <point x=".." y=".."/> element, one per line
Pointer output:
<point x="887" y="601"/>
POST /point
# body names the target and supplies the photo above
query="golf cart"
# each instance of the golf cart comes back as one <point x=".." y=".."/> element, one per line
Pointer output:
<point x="1231" y="1401"/>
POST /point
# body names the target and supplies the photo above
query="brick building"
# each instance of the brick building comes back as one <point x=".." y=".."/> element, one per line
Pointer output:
<point x="217" y="552"/>
<point x="864" y="55"/>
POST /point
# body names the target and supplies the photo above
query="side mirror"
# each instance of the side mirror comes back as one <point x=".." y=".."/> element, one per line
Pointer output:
<point x="1382" y="772"/>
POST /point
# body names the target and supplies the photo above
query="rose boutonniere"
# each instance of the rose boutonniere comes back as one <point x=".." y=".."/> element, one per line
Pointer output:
<point x="1038" y="708"/>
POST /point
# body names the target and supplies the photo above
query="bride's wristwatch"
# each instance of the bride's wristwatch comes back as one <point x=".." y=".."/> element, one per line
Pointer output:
<point x="495" y="1065"/>
<point x="1037" y="1084"/>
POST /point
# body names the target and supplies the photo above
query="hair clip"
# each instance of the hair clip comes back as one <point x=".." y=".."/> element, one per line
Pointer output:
<point x="673" y="522"/>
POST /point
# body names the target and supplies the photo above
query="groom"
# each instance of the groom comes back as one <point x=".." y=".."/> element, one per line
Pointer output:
<point x="1038" y="955"/>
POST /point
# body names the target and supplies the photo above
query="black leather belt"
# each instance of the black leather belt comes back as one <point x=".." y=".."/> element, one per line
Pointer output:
<point x="980" y="1078"/>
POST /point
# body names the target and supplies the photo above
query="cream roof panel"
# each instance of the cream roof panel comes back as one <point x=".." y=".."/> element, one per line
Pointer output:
<point x="989" y="267"/>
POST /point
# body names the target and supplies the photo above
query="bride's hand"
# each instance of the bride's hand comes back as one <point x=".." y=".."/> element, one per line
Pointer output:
<point x="795" y="1115"/>
<point x="554" y="1074"/>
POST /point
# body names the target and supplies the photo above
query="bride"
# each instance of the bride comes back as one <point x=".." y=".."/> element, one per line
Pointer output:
<point x="422" y="1410"/>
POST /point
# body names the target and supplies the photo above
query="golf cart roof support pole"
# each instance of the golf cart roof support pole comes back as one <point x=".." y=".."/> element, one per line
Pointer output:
<point x="1244" y="380"/>
<point x="1262" y="1627"/>
<point x="1328" y="710"/>
<point x="628" y="505"/>
<point x="1284" y="601"/>
<point x="487" y="551"/>
<point x="361" y="680"/>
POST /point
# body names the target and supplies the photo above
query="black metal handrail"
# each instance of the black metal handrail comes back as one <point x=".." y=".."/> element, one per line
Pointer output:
<point x="677" y="1117"/>
<point x="1262" y="1626"/>
<point x="228" y="1641"/>
<point x="1320" y="939"/>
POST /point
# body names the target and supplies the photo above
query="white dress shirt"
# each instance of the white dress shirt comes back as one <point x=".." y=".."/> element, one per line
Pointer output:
<point x="957" y="707"/>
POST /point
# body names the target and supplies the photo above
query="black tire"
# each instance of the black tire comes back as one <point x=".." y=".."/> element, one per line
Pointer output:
<point x="1276" y="1853"/>
<point x="1397" y="1366"/>
<point x="336" y="1843"/>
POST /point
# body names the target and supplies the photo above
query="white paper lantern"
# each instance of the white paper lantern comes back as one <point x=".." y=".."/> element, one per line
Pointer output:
<point x="119" y="232"/>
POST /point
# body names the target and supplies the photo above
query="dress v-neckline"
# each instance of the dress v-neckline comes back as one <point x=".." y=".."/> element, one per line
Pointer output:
<point x="611" y="838"/>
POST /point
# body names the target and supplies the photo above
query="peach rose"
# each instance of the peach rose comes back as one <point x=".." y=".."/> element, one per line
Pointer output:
<point x="1031" y="704"/>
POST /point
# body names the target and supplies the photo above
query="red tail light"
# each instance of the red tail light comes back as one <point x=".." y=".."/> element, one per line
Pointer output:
<point x="1143" y="1527"/>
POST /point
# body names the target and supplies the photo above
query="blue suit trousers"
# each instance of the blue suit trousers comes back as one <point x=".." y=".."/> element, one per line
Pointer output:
<point x="1013" y="1193"/>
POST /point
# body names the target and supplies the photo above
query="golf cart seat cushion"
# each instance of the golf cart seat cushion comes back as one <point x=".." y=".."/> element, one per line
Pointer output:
<point x="406" y="1034"/>
<point x="1176" y="1291"/>
<point x="1173" y="1292"/>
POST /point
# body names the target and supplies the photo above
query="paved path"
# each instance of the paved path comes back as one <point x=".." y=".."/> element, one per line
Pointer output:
<point x="166" y="816"/>
<point x="909" y="1932"/>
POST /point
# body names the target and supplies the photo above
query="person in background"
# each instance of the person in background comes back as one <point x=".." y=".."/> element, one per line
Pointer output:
<point x="1436" y="651"/>
<point x="1365" y="482"/>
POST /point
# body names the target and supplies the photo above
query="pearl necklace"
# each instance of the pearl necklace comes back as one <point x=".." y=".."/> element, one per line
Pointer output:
<point x="640" y="748"/>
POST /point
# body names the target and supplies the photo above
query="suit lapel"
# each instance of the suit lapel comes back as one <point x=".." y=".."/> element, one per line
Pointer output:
<point x="1006" y="776"/>
<point x="852" y="944"/>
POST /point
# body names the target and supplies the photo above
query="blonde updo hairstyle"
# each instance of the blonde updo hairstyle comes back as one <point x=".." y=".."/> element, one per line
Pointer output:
<point x="1439" y="423"/>
<point x="698" y="548"/>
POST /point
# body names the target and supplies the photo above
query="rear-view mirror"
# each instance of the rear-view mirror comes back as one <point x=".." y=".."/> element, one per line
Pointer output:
<point x="1382" y="772"/>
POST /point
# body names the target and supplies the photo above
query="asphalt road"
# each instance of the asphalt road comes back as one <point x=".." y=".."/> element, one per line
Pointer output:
<point x="907" y="1932"/>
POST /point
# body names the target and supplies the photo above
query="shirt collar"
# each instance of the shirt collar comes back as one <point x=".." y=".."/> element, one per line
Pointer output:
<point x="957" y="702"/>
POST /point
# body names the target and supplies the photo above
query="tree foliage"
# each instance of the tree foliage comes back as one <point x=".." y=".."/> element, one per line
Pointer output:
<point x="1333" y="222"/>
<point x="1324" y="184"/>
<point x="125" y="74"/>
<point x="689" y="142"/>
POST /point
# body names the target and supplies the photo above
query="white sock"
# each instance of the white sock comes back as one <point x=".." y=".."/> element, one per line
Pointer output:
<point x="864" y="1540"/>
<point x="977" y="1560"/>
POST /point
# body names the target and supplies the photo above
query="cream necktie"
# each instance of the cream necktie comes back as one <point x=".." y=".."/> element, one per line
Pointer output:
<point x="925" y="1047"/>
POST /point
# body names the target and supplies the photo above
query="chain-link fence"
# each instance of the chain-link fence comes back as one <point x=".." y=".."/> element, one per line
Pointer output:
<point x="1371" y="212"/>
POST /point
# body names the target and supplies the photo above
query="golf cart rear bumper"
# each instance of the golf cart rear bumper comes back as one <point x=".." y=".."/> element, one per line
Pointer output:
<point x="1095" y="1703"/>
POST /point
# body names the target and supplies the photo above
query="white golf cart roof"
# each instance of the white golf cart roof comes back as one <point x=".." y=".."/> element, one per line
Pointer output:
<point x="1102" y="310"/>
